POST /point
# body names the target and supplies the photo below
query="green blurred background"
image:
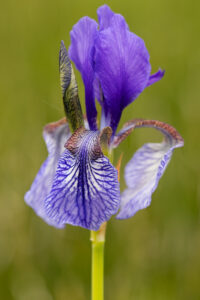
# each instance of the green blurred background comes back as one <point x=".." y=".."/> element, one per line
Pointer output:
<point x="155" y="254"/>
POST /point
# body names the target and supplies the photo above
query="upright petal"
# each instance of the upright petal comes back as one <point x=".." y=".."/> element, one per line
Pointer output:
<point x="145" y="169"/>
<point x="85" y="191"/>
<point x="122" y="66"/>
<point x="55" y="136"/>
<point x="105" y="15"/>
<point x="81" y="53"/>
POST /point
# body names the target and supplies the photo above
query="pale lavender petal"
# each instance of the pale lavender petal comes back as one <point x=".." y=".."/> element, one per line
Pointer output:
<point x="155" y="77"/>
<point x="122" y="67"/>
<point x="81" y="53"/>
<point x="55" y="136"/>
<point x="145" y="169"/>
<point x="105" y="15"/>
<point x="85" y="191"/>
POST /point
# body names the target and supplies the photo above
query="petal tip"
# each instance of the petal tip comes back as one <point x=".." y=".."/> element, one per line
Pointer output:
<point x="156" y="77"/>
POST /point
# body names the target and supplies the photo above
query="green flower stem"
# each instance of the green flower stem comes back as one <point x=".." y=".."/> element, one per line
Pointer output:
<point x="98" y="240"/>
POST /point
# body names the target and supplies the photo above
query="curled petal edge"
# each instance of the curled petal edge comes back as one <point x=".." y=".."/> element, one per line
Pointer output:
<point x="144" y="170"/>
<point x="169" y="132"/>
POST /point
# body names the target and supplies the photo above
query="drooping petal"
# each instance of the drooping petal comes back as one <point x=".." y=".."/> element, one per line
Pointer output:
<point x="122" y="67"/>
<point x="105" y="15"/>
<point x="155" y="77"/>
<point x="81" y="53"/>
<point x="85" y="191"/>
<point x="55" y="136"/>
<point x="145" y="169"/>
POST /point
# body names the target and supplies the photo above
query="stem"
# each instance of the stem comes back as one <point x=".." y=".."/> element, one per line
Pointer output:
<point x="98" y="240"/>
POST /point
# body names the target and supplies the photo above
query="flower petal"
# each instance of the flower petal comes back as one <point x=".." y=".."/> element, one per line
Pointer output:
<point x="105" y="15"/>
<point x="55" y="136"/>
<point x="81" y="53"/>
<point x="85" y="191"/>
<point x="122" y="67"/>
<point x="155" y="77"/>
<point x="145" y="169"/>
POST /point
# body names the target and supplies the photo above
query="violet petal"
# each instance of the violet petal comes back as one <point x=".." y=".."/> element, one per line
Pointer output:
<point x="81" y="52"/>
<point x="85" y="191"/>
<point x="105" y="15"/>
<point x="122" y="67"/>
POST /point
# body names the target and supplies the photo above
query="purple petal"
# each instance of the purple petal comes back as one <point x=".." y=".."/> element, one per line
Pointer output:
<point x="81" y="53"/>
<point x="105" y="15"/>
<point x="122" y="66"/>
<point x="55" y="136"/>
<point x="85" y="191"/>
<point x="145" y="169"/>
<point x="155" y="77"/>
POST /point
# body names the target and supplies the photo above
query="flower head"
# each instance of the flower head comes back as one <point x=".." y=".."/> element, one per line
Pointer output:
<point x="77" y="184"/>
<point x="114" y="64"/>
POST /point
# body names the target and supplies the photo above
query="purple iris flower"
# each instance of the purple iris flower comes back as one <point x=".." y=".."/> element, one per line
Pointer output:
<point x="77" y="184"/>
<point x="114" y="64"/>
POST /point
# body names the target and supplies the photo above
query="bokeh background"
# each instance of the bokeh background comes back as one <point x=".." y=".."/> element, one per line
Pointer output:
<point x="155" y="254"/>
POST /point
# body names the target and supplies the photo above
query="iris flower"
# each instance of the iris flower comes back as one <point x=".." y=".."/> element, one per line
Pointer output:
<point x="77" y="184"/>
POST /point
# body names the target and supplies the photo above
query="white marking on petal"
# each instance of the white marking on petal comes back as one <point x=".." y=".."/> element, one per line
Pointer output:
<point x="85" y="191"/>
